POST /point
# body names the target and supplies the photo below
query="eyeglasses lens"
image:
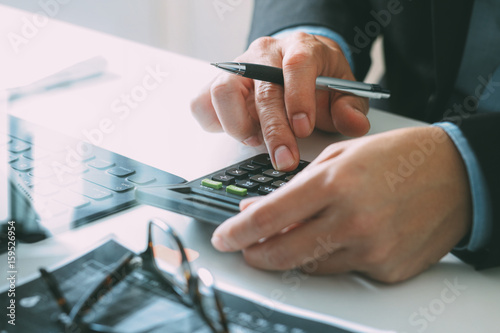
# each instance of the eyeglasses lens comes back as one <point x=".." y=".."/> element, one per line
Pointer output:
<point x="168" y="258"/>
<point x="208" y="300"/>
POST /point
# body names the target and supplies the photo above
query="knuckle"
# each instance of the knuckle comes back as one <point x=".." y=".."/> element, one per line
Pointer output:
<point x="274" y="131"/>
<point x="299" y="58"/>
<point x="221" y="88"/>
<point x="300" y="35"/>
<point x="239" y="131"/>
<point x="263" y="43"/>
<point x="267" y="92"/>
<point x="308" y="50"/>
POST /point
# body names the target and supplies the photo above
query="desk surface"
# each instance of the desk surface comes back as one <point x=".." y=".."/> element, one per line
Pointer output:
<point x="160" y="131"/>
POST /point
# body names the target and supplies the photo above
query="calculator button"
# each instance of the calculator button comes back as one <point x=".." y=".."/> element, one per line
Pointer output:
<point x="278" y="183"/>
<point x="253" y="168"/>
<point x="266" y="189"/>
<point x="302" y="165"/>
<point x="280" y="328"/>
<point x="274" y="173"/>
<point x="288" y="178"/>
<point x="224" y="179"/>
<point x="263" y="180"/>
<point x="248" y="184"/>
<point x="236" y="190"/>
<point x="236" y="173"/>
<point x="262" y="160"/>
<point x="211" y="183"/>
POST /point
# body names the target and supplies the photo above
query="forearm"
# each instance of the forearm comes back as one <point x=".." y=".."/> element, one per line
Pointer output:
<point x="482" y="136"/>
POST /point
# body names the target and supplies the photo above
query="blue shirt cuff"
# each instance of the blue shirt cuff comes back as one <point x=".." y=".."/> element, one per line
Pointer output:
<point x="321" y="31"/>
<point x="481" y="204"/>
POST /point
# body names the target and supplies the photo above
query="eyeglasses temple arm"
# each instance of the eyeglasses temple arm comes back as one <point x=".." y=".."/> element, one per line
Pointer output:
<point x="55" y="291"/>
<point x="118" y="274"/>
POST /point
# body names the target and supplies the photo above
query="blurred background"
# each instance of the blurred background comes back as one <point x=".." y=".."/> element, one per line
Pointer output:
<point x="210" y="30"/>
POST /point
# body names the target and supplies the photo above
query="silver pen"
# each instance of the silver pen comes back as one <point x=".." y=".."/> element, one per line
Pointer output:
<point x="275" y="75"/>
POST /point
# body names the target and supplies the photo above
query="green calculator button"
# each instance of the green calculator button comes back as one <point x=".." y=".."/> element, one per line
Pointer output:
<point x="211" y="183"/>
<point x="236" y="190"/>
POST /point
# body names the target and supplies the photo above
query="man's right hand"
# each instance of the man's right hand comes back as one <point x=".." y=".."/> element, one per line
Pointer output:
<point x="254" y="112"/>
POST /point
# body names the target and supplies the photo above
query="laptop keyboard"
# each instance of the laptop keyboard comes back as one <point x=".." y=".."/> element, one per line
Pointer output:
<point x="62" y="183"/>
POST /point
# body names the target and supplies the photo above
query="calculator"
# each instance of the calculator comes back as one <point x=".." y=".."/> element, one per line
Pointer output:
<point x="215" y="197"/>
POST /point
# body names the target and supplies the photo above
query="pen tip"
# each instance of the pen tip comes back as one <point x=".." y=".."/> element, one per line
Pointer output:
<point x="216" y="64"/>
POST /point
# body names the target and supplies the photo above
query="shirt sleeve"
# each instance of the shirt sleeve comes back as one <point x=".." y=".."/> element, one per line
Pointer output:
<point x="321" y="31"/>
<point x="481" y="203"/>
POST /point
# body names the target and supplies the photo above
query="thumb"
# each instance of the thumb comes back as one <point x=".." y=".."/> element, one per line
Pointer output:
<point x="348" y="114"/>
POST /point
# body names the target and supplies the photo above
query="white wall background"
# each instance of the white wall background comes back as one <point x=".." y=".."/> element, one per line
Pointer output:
<point x="211" y="30"/>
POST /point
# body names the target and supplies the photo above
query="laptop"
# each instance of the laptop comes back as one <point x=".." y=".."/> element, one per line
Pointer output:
<point x="50" y="183"/>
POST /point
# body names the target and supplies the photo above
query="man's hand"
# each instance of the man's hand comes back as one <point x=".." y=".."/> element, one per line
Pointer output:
<point x="388" y="206"/>
<point x="253" y="111"/>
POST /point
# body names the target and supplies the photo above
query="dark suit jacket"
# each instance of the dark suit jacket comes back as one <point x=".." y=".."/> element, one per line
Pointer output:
<point x="423" y="47"/>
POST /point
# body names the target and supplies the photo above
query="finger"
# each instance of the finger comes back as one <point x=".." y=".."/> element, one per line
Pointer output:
<point x="272" y="214"/>
<point x="244" y="204"/>
<point x="204" y="112"/>
<point x="349" y="114"/>
<point x="278" y="135"/>
<point x="300" y="69"/>
<point x="302" y="246"/>
<point x="229" y="94"/>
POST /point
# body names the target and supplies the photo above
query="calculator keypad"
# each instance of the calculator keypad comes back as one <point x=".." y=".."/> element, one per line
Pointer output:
<point x="253" y="177"/>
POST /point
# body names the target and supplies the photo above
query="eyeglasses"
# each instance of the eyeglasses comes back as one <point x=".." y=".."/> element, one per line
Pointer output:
<point x="165" y="257"/>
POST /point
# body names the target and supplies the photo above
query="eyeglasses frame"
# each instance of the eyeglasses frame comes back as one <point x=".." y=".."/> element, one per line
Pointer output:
<point x="127" y="264"/>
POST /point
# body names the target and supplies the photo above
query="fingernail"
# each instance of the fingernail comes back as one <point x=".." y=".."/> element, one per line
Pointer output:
<point x="283" y="157"/>
<point x="300" y="123"/>
<point x="219" y="244"/>
<point x="252" y="141"/>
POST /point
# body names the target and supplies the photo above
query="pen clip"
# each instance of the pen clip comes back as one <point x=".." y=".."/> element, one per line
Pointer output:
<point x="359" y="92"/>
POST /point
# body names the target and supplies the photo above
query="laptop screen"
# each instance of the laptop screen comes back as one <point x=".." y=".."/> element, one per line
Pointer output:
<point x="4" y="186"/>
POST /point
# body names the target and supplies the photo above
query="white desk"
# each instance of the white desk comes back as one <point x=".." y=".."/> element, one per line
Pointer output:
<point x="161" y="132"/>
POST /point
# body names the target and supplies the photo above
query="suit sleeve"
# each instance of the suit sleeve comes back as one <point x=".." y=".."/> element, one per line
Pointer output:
<point x="344" y="17"/>
<point x="483" y="134"/>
